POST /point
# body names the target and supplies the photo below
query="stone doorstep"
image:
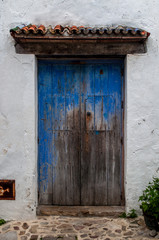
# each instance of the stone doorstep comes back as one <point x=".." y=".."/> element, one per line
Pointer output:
<point x="80" y="211"/>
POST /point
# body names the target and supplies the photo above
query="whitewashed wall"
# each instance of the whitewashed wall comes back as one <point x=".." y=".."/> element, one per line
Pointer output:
<point x="18" y="154"/>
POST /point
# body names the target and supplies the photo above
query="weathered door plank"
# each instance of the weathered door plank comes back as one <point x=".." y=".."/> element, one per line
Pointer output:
<point x="114" y="163"/>
<point x="45" y="135"/>
<point x="66" y="172"/>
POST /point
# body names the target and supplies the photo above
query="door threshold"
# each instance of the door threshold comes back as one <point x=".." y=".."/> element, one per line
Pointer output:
<point x="80" y="211"/>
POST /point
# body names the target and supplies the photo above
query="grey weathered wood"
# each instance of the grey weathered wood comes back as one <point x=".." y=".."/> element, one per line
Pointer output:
<point x="66" y="184"/>
<point x="93" y="169"/>
<point x="81" y="49"/>
<point x="114" y="187"/>
<point x="78" y="211"/>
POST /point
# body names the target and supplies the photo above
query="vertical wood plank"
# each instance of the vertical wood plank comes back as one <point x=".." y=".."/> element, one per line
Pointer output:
<point x="87" y="138"/>
<point x="114" y="163"/>
<point x="93" y="162"/>
<point x="45" y="136"/>
<point x="66" y="172"/>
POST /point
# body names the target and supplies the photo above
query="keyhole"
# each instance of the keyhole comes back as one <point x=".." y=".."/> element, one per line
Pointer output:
<point x="101" y="71"/>
<point x="88" y="114"/>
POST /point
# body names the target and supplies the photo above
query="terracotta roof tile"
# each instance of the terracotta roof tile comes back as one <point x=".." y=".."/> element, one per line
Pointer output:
<point x="74" y="30"/>
<point x="42" y="30"/>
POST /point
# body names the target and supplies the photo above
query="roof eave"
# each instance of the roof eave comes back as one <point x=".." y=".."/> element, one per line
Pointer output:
<point x="23" y="38"/>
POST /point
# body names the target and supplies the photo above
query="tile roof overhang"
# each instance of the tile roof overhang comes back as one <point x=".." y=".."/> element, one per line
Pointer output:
<point x="40" y="34"/>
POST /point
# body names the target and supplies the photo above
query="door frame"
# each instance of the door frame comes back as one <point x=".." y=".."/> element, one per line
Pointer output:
<point x="87" y="58"/>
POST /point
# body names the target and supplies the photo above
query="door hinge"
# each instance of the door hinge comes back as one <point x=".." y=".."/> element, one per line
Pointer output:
<point x="38" y="140"/>
<point x="121" y="196"/>
<point x="122" y="104"/>
<point x="122" y="72"/>
<point x="122" y="140"/>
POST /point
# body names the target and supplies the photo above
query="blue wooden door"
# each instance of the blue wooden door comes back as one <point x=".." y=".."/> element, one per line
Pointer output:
<point x="80" y="130"/>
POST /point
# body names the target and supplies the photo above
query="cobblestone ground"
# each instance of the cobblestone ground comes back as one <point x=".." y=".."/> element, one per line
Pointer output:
<point x="76" y="228"/>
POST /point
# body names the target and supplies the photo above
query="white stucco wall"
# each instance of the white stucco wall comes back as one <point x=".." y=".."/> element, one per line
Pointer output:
<point x="18" y="153"/>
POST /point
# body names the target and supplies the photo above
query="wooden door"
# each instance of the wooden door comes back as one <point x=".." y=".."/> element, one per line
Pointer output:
<point x="80" y="119"/>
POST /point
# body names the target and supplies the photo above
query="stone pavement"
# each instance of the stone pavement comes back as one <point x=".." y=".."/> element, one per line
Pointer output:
<point x="76" y="228"/>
